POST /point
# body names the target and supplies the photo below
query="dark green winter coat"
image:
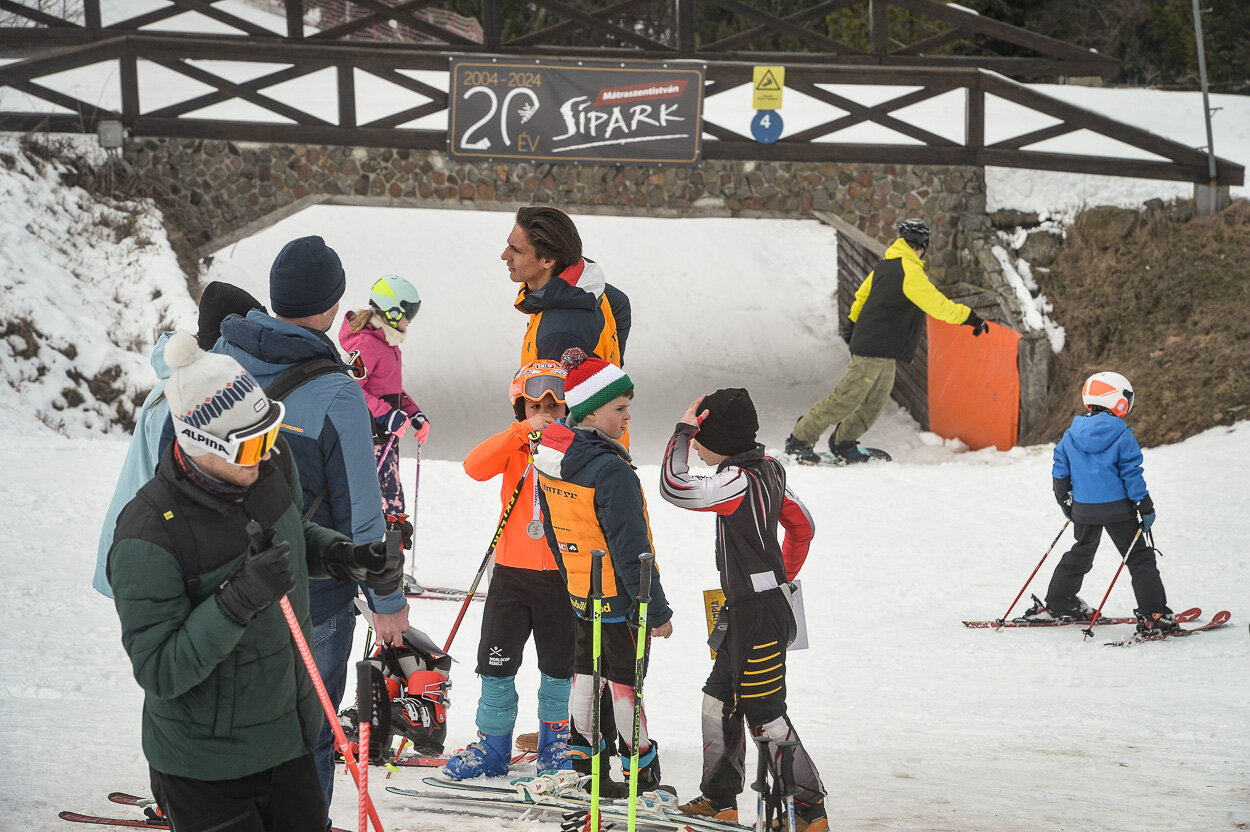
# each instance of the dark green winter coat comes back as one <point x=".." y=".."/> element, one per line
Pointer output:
<point x="222" y="700"/>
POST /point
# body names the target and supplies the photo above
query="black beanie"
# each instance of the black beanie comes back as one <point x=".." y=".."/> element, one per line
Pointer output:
<point x="217" y="302"/>
<point x="306" y="278"/>
<point x="730" y="425"/>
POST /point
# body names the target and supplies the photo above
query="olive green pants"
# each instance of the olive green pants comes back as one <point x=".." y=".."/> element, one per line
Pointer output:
<point x="854" y="405"/>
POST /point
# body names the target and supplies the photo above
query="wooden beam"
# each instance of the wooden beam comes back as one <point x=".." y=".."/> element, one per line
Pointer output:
<point x="745" y="37"/>
<point x="687" y="36"/>
<point x="405" y="116"/>
<point x="492" y="24"/>
<point x="155" y="16"/>
<point x="723" y="133"/>
<point x="401" y="80"/>
<point x="294" y="19"/>
<point x="874" y="115"/>
<point x="981" y="24"/>
<point x="206" y="9"/>
<point x="242" y="91"/>
<point x="1229" y="173"/>
<point x="785" y="27"/>
<point x="129" y="81"/>
<point x="839" y="124"/>
<point x="208" y="99"/>
<point x="932" y="42"/>
<point x="879" y="26"/>
<point x="37" y="16"/>
<point x="62" y="100"/>
<point x="565" y="10"/>
<point x="384" y="12"/>
<point x="1017" y="142"/>
<point x="346" y="83"/>
<point x="61" y="60"/>
<point x="1090" y="120"/>
<point x="91" y="14"/>
<point x="974" y="117"/>
<point x="567" y="26"/>
<point x="252" y="131"/>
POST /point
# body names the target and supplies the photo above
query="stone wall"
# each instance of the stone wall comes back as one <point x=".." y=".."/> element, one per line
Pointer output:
<point x="216" y="192"/>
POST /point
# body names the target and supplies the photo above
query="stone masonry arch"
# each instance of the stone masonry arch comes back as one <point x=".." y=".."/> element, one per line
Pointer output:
<point x="215" y="193"/>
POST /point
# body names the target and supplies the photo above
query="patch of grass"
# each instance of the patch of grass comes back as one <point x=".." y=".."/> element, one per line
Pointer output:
<point x="1168" y="307"/>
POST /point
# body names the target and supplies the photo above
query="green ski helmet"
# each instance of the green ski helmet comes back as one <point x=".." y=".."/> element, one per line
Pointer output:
<point x="394" y="298"/>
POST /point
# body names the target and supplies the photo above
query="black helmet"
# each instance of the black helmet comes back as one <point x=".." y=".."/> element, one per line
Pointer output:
<point x="915" y="232"/>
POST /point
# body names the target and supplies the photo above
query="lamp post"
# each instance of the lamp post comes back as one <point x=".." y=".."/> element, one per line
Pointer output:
<point x="1212" y="195"/>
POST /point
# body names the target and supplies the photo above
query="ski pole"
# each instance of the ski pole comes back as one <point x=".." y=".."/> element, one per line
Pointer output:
<point x="1089" y="631"/>
<point x="596" y="628"/>
<point x="416" y="495"/>
<point x="998" y="624"/>
<point x="386" y="452"/>
<point x="762" y="822"/>
<point x="490" y="551"/>
<point x="640" y="668"/>
<point x="310" y="664"/>
<point x="364" y="722"/>
<point x="785" y="749"/>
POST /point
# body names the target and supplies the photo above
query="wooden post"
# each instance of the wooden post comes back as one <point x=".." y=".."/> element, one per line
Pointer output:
<point x="492" y="24"/>
<point x="295" y="19"/>
<point x="879" y="26"/>
<point x="685" y="27"/>
<point x="347" y="95"/>
<point x="91" y="14"/>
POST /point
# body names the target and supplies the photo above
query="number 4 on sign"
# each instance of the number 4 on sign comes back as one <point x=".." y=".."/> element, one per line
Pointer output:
<point x="766" y="126"/>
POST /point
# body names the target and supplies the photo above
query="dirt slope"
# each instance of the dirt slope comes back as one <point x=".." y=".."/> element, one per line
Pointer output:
<point x="1169" y="307"/>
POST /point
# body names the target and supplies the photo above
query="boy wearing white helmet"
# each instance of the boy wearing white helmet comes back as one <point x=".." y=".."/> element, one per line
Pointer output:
<point x="1099" y="485"/>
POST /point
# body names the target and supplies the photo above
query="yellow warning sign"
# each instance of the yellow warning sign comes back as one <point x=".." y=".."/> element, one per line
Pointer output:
<point x="768" y="82"/>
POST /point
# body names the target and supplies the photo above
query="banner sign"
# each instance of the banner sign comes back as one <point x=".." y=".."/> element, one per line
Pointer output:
<point x="560" y="112"/>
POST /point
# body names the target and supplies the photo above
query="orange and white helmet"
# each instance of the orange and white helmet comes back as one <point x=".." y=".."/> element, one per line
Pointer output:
<point x="1108" y="390"/>
<point x="536" y="379"/>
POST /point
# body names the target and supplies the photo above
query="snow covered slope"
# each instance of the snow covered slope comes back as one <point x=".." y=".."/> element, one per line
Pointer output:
<point x="916" y="723"/>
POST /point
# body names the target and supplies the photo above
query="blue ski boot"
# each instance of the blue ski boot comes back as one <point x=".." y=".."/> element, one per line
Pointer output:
<point x="488" y="757"/>
<point x="553" y="746"/>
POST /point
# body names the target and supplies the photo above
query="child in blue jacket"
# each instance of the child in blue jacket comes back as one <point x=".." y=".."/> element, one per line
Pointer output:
<point x="1099" y="485"/>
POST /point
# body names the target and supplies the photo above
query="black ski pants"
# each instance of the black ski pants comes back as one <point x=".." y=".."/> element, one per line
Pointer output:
<point x="285" y="798"/>
<point x="1076" y="563"/>
<point x="748" y="684"/>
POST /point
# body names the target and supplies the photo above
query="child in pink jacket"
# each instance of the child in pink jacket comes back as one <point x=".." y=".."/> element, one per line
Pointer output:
<point x="375" y="334"/>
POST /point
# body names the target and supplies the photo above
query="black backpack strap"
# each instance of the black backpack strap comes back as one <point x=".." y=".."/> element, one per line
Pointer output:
<point x="301" y="374"/>
<point x="293" y="379"/>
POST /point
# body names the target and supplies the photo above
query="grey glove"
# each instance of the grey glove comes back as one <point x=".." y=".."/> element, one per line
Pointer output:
<point x="263" y="577"/>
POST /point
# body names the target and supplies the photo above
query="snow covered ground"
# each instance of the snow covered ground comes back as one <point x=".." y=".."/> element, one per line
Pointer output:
<point x="915" y="722"/>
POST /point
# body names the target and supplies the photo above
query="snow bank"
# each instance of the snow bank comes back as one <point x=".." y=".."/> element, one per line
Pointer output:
<point x="85" y="285"/>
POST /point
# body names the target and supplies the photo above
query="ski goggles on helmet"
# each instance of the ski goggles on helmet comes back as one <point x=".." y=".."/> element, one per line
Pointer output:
<point x="538" y="379"/>
<point x="244" y="446"/>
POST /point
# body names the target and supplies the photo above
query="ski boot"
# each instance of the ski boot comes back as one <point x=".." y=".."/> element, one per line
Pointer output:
<point x="553" y="746"/>
<point x="808" y="817"/>
<point x="849" y="451"/>
<point x="801" y="451"/>
<point x="711" y="807"/>
<point x="488" y="757"/>
<point x="1070" y="609"/>
<point x="609" y="789"/>
<point x="1155" y="623"/>
<point x="648" y="769"/>
<point x="1038" y="612"/>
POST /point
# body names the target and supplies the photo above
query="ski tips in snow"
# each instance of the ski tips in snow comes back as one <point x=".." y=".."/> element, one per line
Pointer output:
<point x="1218" y="620"/>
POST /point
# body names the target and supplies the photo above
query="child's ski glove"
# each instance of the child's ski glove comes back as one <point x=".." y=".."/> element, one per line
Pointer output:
<point x="395" y="422"/>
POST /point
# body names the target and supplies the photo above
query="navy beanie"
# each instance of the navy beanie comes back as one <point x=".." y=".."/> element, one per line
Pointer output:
<point x="306" y="278"/>
<point x="731" y="423"/>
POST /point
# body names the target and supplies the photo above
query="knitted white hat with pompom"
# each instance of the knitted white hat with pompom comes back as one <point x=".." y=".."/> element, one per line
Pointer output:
<point x="209" y="391"/>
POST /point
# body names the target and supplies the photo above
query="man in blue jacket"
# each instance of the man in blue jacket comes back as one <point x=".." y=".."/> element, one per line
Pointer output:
<point x="327" y="425"/>
<point x="1099" y="485"/>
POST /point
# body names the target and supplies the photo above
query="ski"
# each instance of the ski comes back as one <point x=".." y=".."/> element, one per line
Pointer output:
<point x="75" y="817"/>
<point x="425" y="761"/>
<point x="444" y="593"/>
<point x="130" y="799"/>
<point x="1218" y="620"/>
<point x="875" y="455"/>
<point x="487" y="799"/>
<point x="657" y="806"/>
<point x="1183" y="617"/>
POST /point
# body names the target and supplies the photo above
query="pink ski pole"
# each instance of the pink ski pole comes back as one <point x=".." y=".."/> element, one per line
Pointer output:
<point x="999" y="623"/>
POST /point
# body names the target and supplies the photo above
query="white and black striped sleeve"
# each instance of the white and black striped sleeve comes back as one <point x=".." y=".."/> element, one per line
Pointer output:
<point x="721" y="493"/>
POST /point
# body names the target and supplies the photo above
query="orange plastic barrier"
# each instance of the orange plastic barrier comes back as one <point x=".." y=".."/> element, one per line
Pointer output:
<point x="974" y="385"/>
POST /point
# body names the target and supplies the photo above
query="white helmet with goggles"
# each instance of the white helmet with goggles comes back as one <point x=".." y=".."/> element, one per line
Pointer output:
<point x="394" y="298"/>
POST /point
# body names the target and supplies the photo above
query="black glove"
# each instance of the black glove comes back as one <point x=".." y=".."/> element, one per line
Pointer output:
<point x="379" y="565"/>
<point x="977" y="323"/>
<point x="848" y="329"/>
<point x="1063" y="495"/>
<point x="1146" y="510"/>
<point x="263" y="577"/>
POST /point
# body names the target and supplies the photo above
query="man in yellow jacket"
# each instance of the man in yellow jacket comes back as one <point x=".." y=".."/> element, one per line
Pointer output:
<point x="885" y="324"/>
